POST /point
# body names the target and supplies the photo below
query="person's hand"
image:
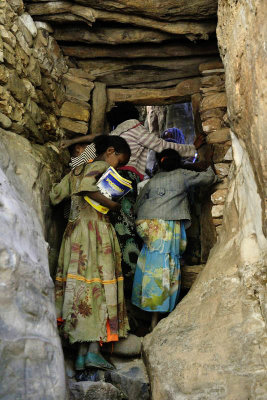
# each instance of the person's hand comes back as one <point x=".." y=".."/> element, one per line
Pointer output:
<point x="209" y="153"/>
<point x="114" y="206"/>
<point x="199" y="141"/>
<point x="64" y="144"/>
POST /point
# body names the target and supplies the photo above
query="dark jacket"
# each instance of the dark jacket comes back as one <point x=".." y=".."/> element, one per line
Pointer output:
<point x="165" y="195"/>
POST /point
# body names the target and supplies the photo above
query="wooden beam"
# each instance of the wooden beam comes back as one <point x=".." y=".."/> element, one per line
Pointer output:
<point x="63" y="18"/>
<point x="141" y="76"/>
<point x="194" y="30"/>
<point x="155" y="96"/>
<point x="139" y="51"/>
<point x="153" y="85"/>
<point x="167" y="10"/>
<point x="187" y="65"/>
<point x="105" y="35"/>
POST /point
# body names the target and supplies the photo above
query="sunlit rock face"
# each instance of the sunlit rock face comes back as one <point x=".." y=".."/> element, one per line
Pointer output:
<point x="213" y="342"/>
<point x="212" y="345"/>
<point x="31" y="355"/>
<point x="245" y="24"/>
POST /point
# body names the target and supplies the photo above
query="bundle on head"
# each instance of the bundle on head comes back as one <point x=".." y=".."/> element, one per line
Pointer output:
<point x="168" y="160"/>
<point x="103" y="142"/>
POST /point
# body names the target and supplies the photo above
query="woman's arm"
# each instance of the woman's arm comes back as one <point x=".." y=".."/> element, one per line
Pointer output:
<point x="103" y="200"/>
<point x="64" y="143"/>
<point x="152" y="142"/>
<point x="204" y="178"/>
<point x="60" y="191"/>
<point x="201" y="165"/>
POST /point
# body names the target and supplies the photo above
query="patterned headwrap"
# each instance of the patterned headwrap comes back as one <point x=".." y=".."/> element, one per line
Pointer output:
<point x="174" y="135"/>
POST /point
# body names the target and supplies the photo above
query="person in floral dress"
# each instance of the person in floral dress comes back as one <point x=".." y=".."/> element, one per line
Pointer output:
<point x="89" y="280"/>
<point x="162" y="217"/>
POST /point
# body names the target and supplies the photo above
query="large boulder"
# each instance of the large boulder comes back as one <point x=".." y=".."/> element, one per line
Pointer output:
<point x="31" y="356"/>
<point x="212" y="345"/>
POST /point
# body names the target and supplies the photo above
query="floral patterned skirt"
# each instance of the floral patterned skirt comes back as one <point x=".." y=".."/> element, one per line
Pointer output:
<point x="89" y="281"/>
<point x="157" y="277"/>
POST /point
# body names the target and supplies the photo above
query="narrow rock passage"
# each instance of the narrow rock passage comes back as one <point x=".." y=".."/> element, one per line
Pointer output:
<point x="128" y="381"/>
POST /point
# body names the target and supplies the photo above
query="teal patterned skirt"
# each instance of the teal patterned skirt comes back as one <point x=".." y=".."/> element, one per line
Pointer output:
<point x="157" y="278"/>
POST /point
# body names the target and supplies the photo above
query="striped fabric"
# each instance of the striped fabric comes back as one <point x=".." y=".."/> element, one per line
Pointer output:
<point x="89" y="153"/>
<point x="140" y="141"/>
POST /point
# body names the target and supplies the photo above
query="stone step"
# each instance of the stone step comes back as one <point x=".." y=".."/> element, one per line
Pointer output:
<point x="129" y="381"/>
<point x="130" y="377"/>
<point x="94" y="391"/>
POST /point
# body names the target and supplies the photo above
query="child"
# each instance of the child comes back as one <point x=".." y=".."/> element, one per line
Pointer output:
<point x="89" y="281"/>
<point x="162" y="216"/>
<point x="75" y="150"/>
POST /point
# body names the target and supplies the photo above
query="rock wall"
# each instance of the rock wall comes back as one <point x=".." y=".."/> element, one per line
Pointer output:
<point x="41" y="96"/>
<point x="210" y="110"/>
<point x="30" y="350"/>
<point x="241" y="34"/>
<point x="212" y="345"/>
<point x="35" y="85"/>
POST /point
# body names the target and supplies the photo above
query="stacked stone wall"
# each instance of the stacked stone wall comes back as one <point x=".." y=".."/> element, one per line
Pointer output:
<point x="215" y="125"/>
<point x="41" y="97"/>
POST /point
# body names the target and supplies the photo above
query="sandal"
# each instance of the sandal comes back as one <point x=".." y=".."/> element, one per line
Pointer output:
<point x="97" y="361"/>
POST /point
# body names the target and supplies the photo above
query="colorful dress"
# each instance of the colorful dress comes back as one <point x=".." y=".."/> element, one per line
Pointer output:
<point x="89" y="281"/>
<point x="157" y="277"/>
<point x="124" y="224"/>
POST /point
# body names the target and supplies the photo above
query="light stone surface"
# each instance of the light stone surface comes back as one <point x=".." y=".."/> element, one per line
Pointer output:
<point x="218" y="197"/>
<point x="27" y="20"/>
<point x="75" y="111"/>
<point x="213" y="346"/>
<point x="219" y="136"/>
<point x="73" y="126"/>
<point x="214" y="101"/>
<point x="31" y="355"/>
<point x="130" y="377"/>
<point x="244" y="23"/>
<point x="129" y="347"/>
<point x="5" y="122"/>
<point x="222" y="169"/>
<point x="94" y="391"/>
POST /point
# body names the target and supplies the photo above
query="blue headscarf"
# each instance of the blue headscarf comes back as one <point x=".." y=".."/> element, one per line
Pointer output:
<point x="175" y="136"/>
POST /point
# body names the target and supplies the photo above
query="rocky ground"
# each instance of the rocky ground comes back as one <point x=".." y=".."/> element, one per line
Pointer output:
<point x="128" y="381"/>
